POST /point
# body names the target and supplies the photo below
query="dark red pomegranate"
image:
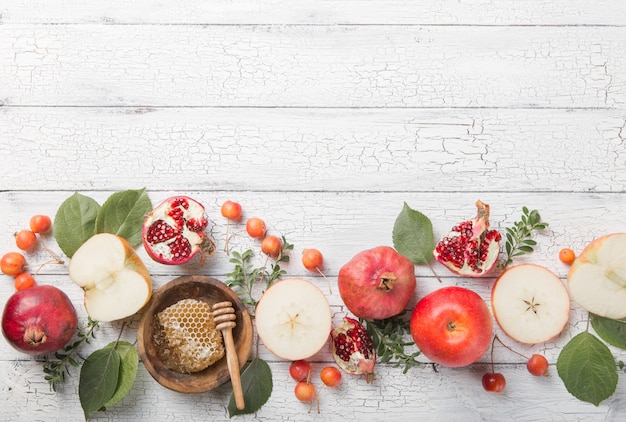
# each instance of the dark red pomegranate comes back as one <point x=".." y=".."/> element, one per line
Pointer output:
<point x="470" y="249"/>
<point x="174" y="232"/>
<point x="39" y="320"/>
<point x="353" y="349"/>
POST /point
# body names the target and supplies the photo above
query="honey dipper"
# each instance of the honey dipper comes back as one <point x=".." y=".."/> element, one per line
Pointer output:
<point x="224" y="317"/>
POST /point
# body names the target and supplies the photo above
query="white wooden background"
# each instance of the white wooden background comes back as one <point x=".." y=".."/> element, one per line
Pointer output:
<point x="322" y="117"/>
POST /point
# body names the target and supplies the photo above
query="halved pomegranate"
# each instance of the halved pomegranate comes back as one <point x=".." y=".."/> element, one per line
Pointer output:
<point x="174" y="232"/>
<point x="470" y="249"/>
<point x="353" y="349"/>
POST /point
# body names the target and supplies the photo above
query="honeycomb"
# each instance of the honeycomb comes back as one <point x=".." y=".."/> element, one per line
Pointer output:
<point x="189" y="339"/>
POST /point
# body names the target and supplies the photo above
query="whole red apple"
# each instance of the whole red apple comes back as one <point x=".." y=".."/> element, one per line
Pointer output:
<point x="377" y="283"/>
<point x="452" y="326"/>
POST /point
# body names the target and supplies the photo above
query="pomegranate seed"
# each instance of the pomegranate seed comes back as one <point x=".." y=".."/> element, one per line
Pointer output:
<point x="180" y="247"/>
<point x="160" y="231"/>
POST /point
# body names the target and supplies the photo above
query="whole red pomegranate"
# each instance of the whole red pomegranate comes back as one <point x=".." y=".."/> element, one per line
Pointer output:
<point x="353" y="349"/>
<point x="377" y="283"/>
<point x="39" y="320"/>
<point x="174" y="232"/>
<point x="470" y="249"/>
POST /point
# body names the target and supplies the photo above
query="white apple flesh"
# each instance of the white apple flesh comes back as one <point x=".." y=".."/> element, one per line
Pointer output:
<point x="115" y="280"/>
<point x="597" y="278"/>
<point x="530" y="303"/>
<point x="293" y="319"/>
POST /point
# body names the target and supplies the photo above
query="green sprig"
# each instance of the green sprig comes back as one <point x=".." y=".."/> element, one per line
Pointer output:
<point x="245" y="275"/>
<point x="389" y="338"/>
<point x="56" y="368"/>
<point x="519" y="237"/>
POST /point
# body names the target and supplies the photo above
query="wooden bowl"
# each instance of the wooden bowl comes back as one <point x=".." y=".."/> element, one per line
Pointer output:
<point x="211" y="291"/>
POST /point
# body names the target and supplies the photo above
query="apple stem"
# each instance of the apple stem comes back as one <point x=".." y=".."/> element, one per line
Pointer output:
<point x="327" y="280"/>
<point x="227" y="237"/>
<point x="54" y="256"/>
<point x="493" y="368"/>
<point x="56" y="259"/>
<point x="510" y="348"/>
<point x="314" y="402"/>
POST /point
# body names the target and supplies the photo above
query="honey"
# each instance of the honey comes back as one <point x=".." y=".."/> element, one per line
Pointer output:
<point x="188" y="339"/>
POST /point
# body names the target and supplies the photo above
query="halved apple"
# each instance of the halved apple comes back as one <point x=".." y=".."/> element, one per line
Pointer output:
<point x="530" y="303"/>
<point x="115" y="280"/>
<point x="293" y="319"/>
<point x="597" y="278"/>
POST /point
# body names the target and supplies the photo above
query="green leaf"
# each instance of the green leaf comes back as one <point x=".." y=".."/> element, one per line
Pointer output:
<point x="610" y="330"/>
<point x="75" y="222"/>
<point x="413" y="235"/>
<point x="128" y="370"/>
<point x="123" y="214"/>
<point x="587" y="368"/>
<point x="256" y="381"/>
<point x="98" y="379"/>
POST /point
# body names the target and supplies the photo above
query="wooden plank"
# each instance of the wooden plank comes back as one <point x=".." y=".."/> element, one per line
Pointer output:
<point x="448" y="394"/>
<point x="320" y="12"/>
<point x="313" y="66"/>
<point x="412" y="150"/>
<point x="335" y="222"/>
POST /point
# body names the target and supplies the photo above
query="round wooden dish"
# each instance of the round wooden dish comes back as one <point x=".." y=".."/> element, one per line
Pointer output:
<point x="198" y="287"/>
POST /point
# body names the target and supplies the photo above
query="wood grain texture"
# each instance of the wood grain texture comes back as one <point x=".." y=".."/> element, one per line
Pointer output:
<point x="317" y="12"/>
<point x="322" y="117"/>
<point x="313" y="66"/>
<point x="314" y="149"/>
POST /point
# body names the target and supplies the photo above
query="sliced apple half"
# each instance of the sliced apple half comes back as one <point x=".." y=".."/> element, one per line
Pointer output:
<point x="115" y="280"/>
<point x="597" y="278"/>
<point x="293" y="319"/>
<point x="530" y="303"/>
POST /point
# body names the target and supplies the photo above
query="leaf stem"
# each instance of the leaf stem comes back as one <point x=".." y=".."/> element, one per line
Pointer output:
<point x="518" y="238"/>
<point x="388" y="336"/>
<point x="56" y="369"/>
<point x="430" y="265"/>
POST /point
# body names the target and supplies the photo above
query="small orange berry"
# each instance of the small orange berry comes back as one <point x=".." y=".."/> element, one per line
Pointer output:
<point x="24" y="281"/>
<point x="25" y="239"/>
<point x="255" y="227"/>
<point x="567" y="256"/>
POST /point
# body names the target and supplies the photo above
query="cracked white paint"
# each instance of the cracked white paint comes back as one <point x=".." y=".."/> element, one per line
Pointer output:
<point x="576" y="150"/>
<point x="313" y="66"/>
<point x="322" y="117"/>
<point x="327" y="12"/>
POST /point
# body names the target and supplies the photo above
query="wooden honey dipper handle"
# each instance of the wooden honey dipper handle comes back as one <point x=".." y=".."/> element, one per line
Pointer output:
<point x="224" y="316"/>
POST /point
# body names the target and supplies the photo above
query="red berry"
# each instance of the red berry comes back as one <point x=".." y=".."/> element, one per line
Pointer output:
<point x="537" y="365"/>
<point x="24" y="281"/>
<point x="330" y="376"/>
<point x="40" y="223"/>
<point x="494" y="383"/>
<point x="271" y="246"/>
<point x="12" y="263"/>
<point x="567" y="256"/>
<point x="255" y="227"/>
<point x="312" y="259"/>
<point x="300" y="370"/>
<point x="25" y="239"/>
<point x="231" y="210"/>
<point x="304" y="391"/>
